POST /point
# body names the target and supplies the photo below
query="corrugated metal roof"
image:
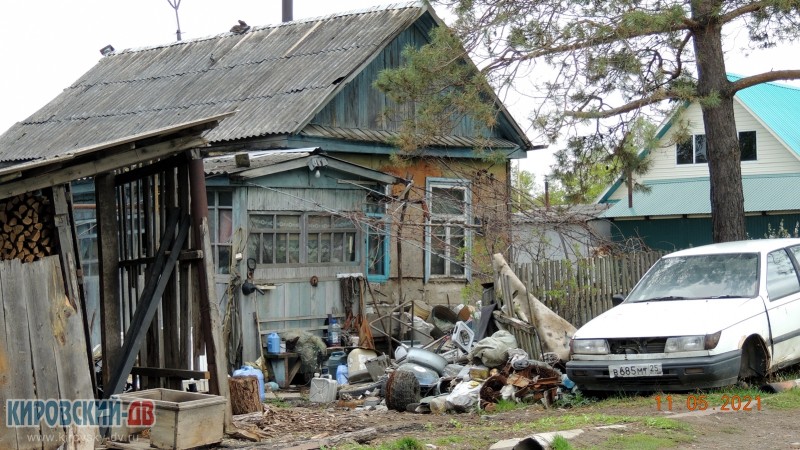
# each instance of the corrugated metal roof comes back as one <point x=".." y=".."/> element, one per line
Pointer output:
<point x="692" y="196"/>
<point x="275" y="76"/>
<point x="385" y="137"/>
<point x="778" y="106"/>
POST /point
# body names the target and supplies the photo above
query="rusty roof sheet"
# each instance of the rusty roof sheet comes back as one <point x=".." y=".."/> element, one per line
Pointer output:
<point x="275" y="76"/>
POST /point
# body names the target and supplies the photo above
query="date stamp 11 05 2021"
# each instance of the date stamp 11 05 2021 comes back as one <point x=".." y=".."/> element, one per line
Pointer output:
<point x="699" y="402"/>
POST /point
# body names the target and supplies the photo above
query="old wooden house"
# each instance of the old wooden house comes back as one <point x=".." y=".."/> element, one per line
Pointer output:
<point x="309" y="84"/>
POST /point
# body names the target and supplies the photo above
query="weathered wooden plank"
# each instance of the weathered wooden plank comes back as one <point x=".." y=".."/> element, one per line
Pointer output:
<point x="74" y="373"/>
<point x="22" y="378"/>
<point x="42" y="308"/>
<point x="8" y="436"/>
<point x="108" y="253"/>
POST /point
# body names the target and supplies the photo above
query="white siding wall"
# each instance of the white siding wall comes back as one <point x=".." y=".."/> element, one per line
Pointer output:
<point x="773" y="156"/>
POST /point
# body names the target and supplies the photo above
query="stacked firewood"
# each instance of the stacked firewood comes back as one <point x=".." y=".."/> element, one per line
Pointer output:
<point x="27" y="229"/>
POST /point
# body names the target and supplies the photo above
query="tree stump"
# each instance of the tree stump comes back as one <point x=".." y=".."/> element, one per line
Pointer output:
<point x="245" y="397"/>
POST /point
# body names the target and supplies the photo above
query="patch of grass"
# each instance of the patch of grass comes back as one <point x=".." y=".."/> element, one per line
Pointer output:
<point x="574" y="401"/>
<point x="508" y="405"/>
<point x="571" y="421"/>
<point x="406" y="443"/>
<point x="624" y="400"/>
<point x="662" y="423"/>
<point x="560" y="443"/>
<point x="785" y="400"/>
<point x="638" y="442"/>
<point x="456" y="424"/>
<point x="447" y="440"/>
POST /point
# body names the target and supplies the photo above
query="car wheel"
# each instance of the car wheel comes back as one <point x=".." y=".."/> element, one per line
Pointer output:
<point x="753" y="368"/>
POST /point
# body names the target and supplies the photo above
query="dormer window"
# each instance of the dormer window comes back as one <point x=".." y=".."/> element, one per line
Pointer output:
<point x="694" y="150"/>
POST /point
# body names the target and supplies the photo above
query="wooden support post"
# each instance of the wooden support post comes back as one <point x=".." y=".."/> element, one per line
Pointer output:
<point x="158" y="276"/>
<point x="209" y="312"/>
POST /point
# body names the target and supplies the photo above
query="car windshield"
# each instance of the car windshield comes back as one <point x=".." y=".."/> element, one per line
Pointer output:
<point x="733" y="275"/>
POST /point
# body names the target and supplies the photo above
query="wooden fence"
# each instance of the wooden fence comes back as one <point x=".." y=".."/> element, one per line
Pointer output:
<point x="579" y="291"/>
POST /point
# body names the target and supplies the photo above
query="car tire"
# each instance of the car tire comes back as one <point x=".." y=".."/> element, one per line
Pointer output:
<point x="753" y="368"/>
<point x="402" y="389"/>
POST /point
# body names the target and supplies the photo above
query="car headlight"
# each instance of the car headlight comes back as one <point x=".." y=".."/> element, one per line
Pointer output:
<point x="589" y="346"/>
<point x="692" y="343"/>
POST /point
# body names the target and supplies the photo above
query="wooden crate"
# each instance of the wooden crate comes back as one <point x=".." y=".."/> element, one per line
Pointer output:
<point x="184" y="420"/>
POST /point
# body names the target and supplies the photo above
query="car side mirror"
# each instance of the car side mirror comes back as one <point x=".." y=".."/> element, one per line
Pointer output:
<point x="616" y="299"/>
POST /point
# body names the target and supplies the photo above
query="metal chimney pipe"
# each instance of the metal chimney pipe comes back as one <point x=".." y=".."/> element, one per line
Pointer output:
<point x="286" y="11"/>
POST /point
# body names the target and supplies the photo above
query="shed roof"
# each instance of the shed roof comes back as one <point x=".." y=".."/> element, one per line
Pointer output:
<point x="691" y="196"/>
<point x="276" y="77"/>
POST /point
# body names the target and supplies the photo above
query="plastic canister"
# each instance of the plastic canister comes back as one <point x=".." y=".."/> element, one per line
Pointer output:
<point x="247" y="371"/>
<point x="273" y="343"/>
<point x="323" y="389"/>
<point x="335" y="360"/>
<point x="341" y="374"/>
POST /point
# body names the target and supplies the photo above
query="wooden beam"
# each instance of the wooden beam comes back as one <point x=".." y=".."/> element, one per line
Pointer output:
<point x="108" y="255"/>
<point x="186" y="255"/>
<point x="157" y="280"/>
<point x="170" y="373"/>
<point x="107" y="163"/>
<point x="209" y="309"/>
<point x="150" y="169"/>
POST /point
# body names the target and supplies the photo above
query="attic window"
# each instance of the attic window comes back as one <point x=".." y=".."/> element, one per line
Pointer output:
<point x="694" y="150"/>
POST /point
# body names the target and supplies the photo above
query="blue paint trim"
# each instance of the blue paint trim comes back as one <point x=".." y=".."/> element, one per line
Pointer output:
<point x="386" y="251"/>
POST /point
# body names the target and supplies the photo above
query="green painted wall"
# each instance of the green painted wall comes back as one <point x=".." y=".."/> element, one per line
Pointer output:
<point x="676" y="234"/>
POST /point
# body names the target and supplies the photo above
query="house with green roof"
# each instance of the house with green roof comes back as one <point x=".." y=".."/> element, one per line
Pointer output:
<point x="675" y="212"/>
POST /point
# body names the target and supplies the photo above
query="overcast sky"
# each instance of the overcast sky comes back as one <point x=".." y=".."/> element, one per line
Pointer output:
<point x="48" y="44"/>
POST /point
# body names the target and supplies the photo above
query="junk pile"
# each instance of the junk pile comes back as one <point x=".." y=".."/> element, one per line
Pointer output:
<point x="458" y="359"/>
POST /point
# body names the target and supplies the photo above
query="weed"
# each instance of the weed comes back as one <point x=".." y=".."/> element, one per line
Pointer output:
<point x="638" y="442"/>
<point x="456" y="424"/>
<point x="574" y="400"/>
<point x="560" y="443"/>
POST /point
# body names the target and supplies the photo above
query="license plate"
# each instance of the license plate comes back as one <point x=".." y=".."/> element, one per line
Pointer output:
<point x="635" y="370"/>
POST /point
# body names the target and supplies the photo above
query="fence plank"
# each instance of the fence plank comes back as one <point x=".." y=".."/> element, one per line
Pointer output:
<point x="580" y="290"/>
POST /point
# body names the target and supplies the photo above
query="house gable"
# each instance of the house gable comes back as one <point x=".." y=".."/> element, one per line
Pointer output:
<point x="356" y="113"/>
<point x="773" y="154"/>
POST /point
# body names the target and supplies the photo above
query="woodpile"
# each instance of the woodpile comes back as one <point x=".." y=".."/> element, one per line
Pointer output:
<point x="27" y="229"/>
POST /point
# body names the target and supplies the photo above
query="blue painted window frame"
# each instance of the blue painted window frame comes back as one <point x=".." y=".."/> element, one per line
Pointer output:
<point x="370" y="231"/>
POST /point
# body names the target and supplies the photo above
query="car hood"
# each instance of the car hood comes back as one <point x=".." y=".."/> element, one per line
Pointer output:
<point x="670" y="318"/>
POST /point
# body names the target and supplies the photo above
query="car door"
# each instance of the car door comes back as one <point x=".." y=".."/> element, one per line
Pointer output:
<point x="783" y="305"/>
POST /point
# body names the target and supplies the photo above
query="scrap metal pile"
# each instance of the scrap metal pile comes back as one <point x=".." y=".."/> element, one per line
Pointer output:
<point x="512" y="350"/>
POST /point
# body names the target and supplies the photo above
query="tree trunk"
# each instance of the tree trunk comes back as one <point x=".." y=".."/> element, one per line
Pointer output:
<point x="725" y="172"/>
<point x="245" y="397"/>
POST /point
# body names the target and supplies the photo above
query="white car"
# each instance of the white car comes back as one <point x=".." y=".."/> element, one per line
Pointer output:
<point x="700" y="318"/>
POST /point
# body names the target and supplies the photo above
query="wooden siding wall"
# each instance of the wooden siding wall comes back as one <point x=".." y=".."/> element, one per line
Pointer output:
<point x="773" y="157"/>
<point x="293" y="304"/>
<point x="42" y="347"/>
<point x="361" y="105"/>
<point x="580" y="291"/>
<point x="676" y="234"/>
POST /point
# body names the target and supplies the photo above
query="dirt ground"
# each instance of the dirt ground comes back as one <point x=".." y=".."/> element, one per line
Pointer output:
<point x="775" y="426"/>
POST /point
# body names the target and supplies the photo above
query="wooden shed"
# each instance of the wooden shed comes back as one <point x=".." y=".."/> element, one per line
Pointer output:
<point x="153" y="234"/>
